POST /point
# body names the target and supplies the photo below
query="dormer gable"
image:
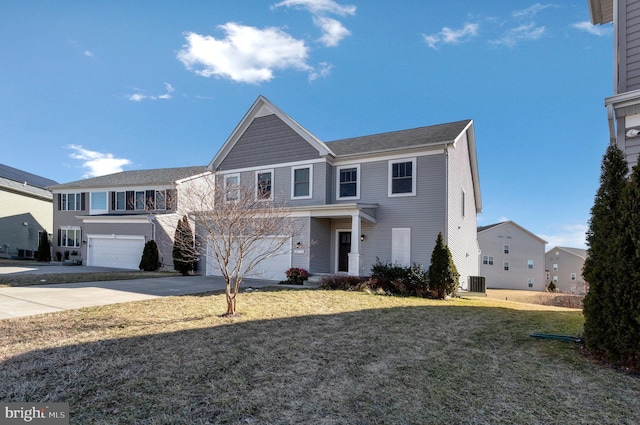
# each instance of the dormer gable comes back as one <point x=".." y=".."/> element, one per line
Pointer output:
<point x="267" y="132"/>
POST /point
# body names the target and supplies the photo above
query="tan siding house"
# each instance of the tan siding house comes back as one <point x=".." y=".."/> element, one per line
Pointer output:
<point x="511" y="257"/>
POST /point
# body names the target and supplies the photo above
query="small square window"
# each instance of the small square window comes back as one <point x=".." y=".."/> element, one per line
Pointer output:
<point x="555" y="267"/>
<point x="529" y="264"/>
<point x="573" y="276"/>
<point x="506" y="249"/>
<point x="506" y="265"/>
<point x="402" y="177"/>
<point x="348" y="182"/>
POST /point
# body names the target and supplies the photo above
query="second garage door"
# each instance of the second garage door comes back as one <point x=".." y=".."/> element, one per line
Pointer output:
<point x="117" y="251"/>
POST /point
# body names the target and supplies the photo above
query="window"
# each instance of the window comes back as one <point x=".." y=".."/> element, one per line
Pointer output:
<point x="71" y="201"/>
<point x="529" y="264"/>
<point x="348" y="182"/>
<point x="231" y="187"/>
<point x="530" y="282"/>
<point x="120" y="201"/>
<point x="506" y="249"/>
<point x="555" y="267"/>
<point x="402" y="180"/>
<point x="573" y="276"/>
<point x="301" y="182"/>
<point x="506" y="265"/>
<point x="98" y="203"/>
<point x="487" y="259"/>
<point x="69" y="237"/>
<point x="161" y="199"/>
<point x="555" y="279"/>
<point x="139" y="200"/>
<point x="264" y="182"/>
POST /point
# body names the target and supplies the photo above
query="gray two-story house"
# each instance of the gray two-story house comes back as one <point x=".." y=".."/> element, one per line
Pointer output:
<point x="105" y="221"/>
<point x="378" y="197"/>
<point x="623" y="106"/>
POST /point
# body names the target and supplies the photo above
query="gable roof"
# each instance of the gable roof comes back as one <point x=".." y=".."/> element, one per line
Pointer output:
<point x="158" y="176"/>
<point x="402" y="139"/>
<point x="601" y="11"/>
<point x="503" y="223"/>
<point x="23" y="177"/>
<point x="578" y="252"/>
<point x="262" y="107"/>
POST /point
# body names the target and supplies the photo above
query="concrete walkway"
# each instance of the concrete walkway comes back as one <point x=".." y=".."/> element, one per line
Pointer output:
<point x="38" y="299"/>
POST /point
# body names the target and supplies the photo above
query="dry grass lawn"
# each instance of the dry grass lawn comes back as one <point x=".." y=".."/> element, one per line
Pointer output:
<point x="312" y="357"/>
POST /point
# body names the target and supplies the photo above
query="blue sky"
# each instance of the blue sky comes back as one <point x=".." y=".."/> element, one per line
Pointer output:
<point x="90" y="88"/>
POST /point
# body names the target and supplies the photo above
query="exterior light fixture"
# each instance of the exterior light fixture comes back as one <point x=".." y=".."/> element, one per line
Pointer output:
<point x="362" y="237"/>
<point x="298" y="245"/>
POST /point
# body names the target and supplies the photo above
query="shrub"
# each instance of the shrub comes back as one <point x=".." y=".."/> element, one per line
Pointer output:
<point x="184" y="253"/>
<point x="551" y="287"/>
<point x="296" y="275"/>
<point x="443" y="275"/>
<point x="395" y="279"/>
<point x="150" y="257"/>
<point x="341" y="282"/>
<point x="44" y="248"/>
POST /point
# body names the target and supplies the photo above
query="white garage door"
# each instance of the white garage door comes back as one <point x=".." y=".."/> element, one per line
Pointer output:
<point x="271" y="268"/>
<point x="122" y="252"/>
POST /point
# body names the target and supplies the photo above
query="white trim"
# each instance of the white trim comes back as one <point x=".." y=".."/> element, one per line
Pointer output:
<point x="358" y="179"/>
<point x="380" y="156"/>
<point x="114" y="236"/>
<point x="264" y="166"/>
<point x="227" y="177"/>
<point x="414" y="172"/>
<point x="255" y="183"/>
<point x="128" y="219"/>
<point x="293" y="181"/>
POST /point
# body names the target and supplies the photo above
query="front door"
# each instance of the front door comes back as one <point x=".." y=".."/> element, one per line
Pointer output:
<point x="344" y="248"/>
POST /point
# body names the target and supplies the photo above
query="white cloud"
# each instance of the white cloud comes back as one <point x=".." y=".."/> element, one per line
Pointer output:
<point x="97" y="163"/>
<point x="527" y="32"/>
<point x="568" y="235"/>
<point x="88" y="54"/>
<point x="593" y="29"/>
<point x="319" y="6"/>
<point x="323" y="71"/>
<point x="139" y="97"/>
<point x="530" y="12"/>
<point x="332" y="31"/>
<point x="451" y="36"/>
<point x="246" y="54"/>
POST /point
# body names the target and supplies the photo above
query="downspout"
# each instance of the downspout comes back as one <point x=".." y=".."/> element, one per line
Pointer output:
<point x="611" y="116"/>
<point x="446" y="198"/>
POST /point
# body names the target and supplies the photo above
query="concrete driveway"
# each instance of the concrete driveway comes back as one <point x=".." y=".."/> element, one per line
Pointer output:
<point x="37" y="299"/>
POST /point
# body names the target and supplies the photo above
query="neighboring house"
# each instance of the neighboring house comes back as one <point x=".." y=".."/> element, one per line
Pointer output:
<point x="511" y="257"/>
<point x="383" y="196"/>
<point x="564" y="267"/>
<point x="25" y="212"/>
<point x="106" y="221"/>
<point x="623" y="107"/>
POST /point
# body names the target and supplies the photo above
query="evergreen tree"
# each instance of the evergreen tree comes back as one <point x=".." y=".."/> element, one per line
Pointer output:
<point x="44" y="248"/>
<point x="184" y="255"/>
<point x="150" y="257"/>
<point x="443" y="275"/>
<point x="602" y="268"/>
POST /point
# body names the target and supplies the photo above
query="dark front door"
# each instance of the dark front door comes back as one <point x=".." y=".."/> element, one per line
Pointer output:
<point x="344" y="248"/>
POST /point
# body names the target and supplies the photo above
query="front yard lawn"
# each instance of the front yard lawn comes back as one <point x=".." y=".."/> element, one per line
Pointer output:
<point x="312" y="357"/>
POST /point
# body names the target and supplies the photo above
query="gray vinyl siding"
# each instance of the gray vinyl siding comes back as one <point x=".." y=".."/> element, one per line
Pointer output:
<point x="300" y="256"/>
<point x="320" y="235"/>
<point x="630" y="44"/>
<point x="267" y="140"/>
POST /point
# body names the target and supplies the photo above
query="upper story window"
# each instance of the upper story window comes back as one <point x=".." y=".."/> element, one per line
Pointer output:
<point x="573" y="276"/>
<point x="487" y="259"/>
<point x="142" y="200"/>
<point x="402" y="180"/>
<point x="264" y="185"/>
<point x="506" y="249"/>
<point x="348" y="182"/>
<point x="555" y="267"/>
<point x="71" y="202"/>
<point x="301" y="182"/>
<point x="529" y="264"/>
<point x="231" y="187"/>
<point x="506" y="266"/>
<point x="98" y="203"/>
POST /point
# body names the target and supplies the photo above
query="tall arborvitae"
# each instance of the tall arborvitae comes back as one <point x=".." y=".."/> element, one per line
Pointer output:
<point x="44" y="248"/>
<point x="443" y="276"/>
<point x="602" y="266"/>
<point x="184" y="256"/>
<point x="627" y="291"/>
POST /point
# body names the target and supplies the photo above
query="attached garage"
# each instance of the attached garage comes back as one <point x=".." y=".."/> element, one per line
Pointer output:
<point x="117" y="251"/>
<point x="271" y="268"/>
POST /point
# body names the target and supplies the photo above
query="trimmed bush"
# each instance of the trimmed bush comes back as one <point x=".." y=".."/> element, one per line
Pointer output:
<point x="296" y="276"/>
<point x="44" y="248"/>
<point x="150" y="257"/>
<point x="342" y="282"/>
<point x="443" y="275"/>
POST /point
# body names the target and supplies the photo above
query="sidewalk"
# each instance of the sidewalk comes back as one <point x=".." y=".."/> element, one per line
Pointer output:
<point x="37" y="299"/>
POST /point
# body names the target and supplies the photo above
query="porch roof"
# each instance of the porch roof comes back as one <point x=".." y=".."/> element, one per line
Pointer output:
<point x="367" y="212"/>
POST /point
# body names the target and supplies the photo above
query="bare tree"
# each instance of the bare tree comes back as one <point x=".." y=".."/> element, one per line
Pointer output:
<point x="238" y="226"/>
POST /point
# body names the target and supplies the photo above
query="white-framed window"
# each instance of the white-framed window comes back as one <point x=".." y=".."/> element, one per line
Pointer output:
<point x="506" y="249"/>
<point x="71" y="237"/>
<point x="530" y="283"/>
<point x="348" y="182"/>
<point x="529" y="264"/>
<point x="555" y="279"/>
<point x="98" y="203"/>
<point x="140" y="200"/>
<point x="231" y="187"/>
<point x="505" y="265"/>
<point x="573" y="276"/>
<point x="301" y="182"/>
<point x="161" y="200"/>
<point x="264" y="185"/>
<point x="71" y="201"/>
<point x="402" y="177"/>
<point x="487" y="259"/>
<point x="120" y="201"/>
<point x="555" y="267"/>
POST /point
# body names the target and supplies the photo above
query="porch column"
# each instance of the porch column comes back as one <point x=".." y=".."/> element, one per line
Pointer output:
<point x="355" y="259"/>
